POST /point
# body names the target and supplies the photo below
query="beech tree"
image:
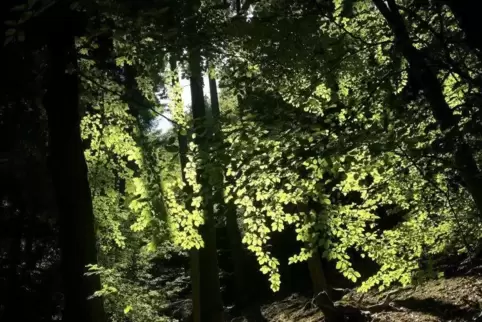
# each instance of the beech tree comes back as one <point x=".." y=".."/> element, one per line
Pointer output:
<point x="349" y="129"/>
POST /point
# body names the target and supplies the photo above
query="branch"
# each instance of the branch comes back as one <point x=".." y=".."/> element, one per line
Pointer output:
<point x="341" y="26"/>
<point x="122" y="96"/>
<point x="446" y="194"/>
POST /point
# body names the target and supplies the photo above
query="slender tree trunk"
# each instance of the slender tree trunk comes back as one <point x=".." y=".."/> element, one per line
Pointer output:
<point x="244" y="298"/>
<point x="321" y="290"/>
<point x="463" y="154"/>
<point x="211" y="301"/>
<point x="178" y="112"/>
<point x="317" y="274"/>
<point x="69" y="174"/>
<point x="238" y="6"/>
<point x="193" y="253"/>
<point x="195" y="285"/>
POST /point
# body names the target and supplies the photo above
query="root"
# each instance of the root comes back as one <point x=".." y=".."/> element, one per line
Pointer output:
<point x="359" y="312"/>
<point x="387" y="304"/>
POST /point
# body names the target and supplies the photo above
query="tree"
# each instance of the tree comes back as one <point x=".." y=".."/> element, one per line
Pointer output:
<point x="463" y="154"/>
<point x="354" y="126"/>
<point x="177" y="108"/>
<point x="244" y="288"/>
<point x="211" y="305"/>
<point x="342" y="100"/>
<point x="69" y="173"/>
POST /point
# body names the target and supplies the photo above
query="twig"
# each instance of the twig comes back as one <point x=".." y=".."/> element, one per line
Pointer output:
<point x="446" y="194"/>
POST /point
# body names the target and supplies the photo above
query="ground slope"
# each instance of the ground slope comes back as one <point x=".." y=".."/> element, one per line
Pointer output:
<point x="454" y="299"/>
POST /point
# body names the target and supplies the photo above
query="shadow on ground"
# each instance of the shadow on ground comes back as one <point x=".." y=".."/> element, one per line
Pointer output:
<point x="441" y="309"/>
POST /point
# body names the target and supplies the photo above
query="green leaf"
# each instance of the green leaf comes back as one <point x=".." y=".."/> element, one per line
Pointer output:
<point x="151" y="247"/>
<point x="127" y="309"/>
<point x="264" y="269"/>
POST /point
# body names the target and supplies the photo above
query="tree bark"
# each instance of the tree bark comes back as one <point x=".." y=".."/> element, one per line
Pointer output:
<point x="317" y="274"/>
<point x="195" y="285"/>
<point x="322" y="293"/>
<point x="183" y="149"/>
<point x="463" y="154"/>
<point x="69" y="175"/>
<point x="211" y="301"/>
<point x="244" y="296"/>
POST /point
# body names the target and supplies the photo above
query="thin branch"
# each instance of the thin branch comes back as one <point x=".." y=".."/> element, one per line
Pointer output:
<point x="444" y="193"/>
<point x="341" y="26"/>
<point x="122" y="96"/>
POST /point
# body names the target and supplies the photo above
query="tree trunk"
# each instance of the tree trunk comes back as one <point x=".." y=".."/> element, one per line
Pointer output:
<point x="244" y="298"/>
<point x="69" y="175"/>
<point x="238" y="7"/>
<point x="317" y="274"/>
<point x="178" y="112"/>
<point x="195" y="285"/>
<point x="322" y="293"/>
<point x="211" y="302"/>
<point x="463" y="154"/>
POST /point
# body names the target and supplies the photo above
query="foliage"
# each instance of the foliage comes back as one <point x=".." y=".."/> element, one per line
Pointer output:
<point x="344" y="110"/>
<point x="124" y="175"/>
<point x="345" y="138"/>
<point x="327" y="128"/>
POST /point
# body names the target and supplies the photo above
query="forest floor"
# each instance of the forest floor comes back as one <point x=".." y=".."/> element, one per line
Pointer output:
<point x="452" y="299"/>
